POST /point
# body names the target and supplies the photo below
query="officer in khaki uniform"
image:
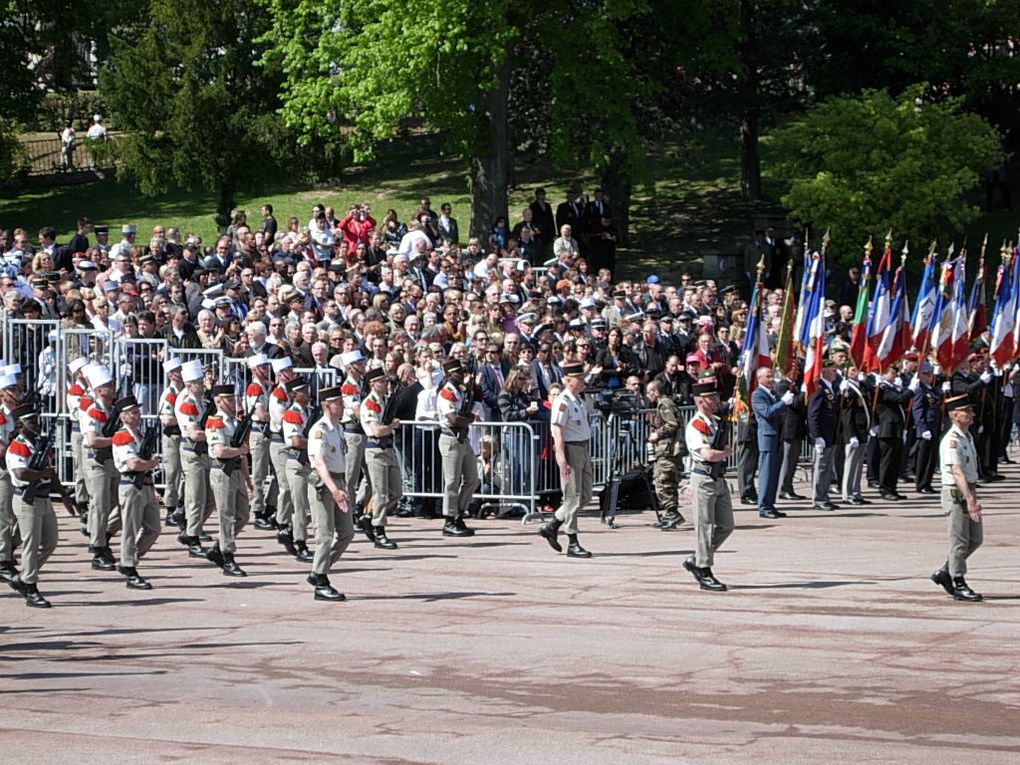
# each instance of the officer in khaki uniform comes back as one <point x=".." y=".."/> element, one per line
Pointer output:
<point x="710" y="496"/>
<point x="195" y="462"/>
<point x="139" y="508"/>
<point x="959" y="472"/>
<point x="460" y="466"/>
<point x="256" y="400"/>
<point x="231" y="482"/>
<point x="100" y="474"/>
<point x="327" y="494"/>
<point x="381" y="458"/>
<point x="669" y="452"/>
<point x="279" y="403"/>
<point x="173" y="477"/>
<point x="296" y="471"/>
<point x="36" y="519"/>
<point x="571" y="434"/>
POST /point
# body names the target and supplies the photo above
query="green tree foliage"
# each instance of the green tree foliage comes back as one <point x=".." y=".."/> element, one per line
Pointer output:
<point x="182" y="79"/>
<point x="864" y="164"/>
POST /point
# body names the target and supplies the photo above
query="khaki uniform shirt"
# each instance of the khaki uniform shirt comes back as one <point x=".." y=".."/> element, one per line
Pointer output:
<point x="293" y="422"/>
<point x="699" y="434"/>
<point x="351" y="392"/>
<point x="371" y="413"/>
<point x="219" y="429"/>
<point x="957" y="448"/>
<point x="125" y="446"/>
<point x="19" y="452"/>
<point x="328" y="441"/>
<point x="569" y="412"/>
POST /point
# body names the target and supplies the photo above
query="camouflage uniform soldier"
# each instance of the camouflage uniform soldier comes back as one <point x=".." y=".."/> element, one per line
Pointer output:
<point x="959" y="459"/>
<point x="669" y="452"/>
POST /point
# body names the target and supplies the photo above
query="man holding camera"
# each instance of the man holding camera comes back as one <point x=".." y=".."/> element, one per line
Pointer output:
<point x="669" y="450"/>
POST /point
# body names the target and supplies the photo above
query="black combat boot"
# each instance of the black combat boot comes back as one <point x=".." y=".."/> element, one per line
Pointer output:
<point x="214" y="556"/>
<point x="325" y="591"/>
<point x="302" y="553"/>
<point x="285" y="537"/>
<point x="962" y="591"/>
<point x="230" y="567"/>
<point x="574" y="549"/>
<point x="549" y="531"/>
<point x="943" y="579"/>
<point x="452" y="529"/>
<point x="382" y="541"/>
<point x="134" y="579"/>
<point x="33" y="598"/>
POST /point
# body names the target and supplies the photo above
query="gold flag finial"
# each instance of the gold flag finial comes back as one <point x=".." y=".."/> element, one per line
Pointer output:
<point x="868" y="248"/>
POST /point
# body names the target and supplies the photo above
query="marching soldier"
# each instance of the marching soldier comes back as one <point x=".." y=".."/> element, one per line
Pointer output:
<point x="327" y="494"/>
<point x="173" y="500"/>
<point x="297" y="471"/>
<point x="231" y="481"/>
<point x="571" y="434"/>
<point x="36" y="519"/>
<point x="9" y="536"/>
<point x="195" y="462"/>
<point x="354" y="434"/>
<point x="139" y="508"/>
<point x="959" y="459"/>
<point x="713" y="512"/>
<point x="669" y="452"/>
<point x="256" y="400"/>
<point x="460" y="467"/>
<point x="76" y="396"/>
<point x="100" y="472"/>
<point x="927" y="414"/>
<point x="381" y="460"/>
<point x="279" y="403"/>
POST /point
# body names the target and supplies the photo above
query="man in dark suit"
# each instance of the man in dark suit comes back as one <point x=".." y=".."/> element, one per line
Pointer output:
<point x="542" y="218"/>
<point x="491" y="381"/>
<point x="544" y="369"/>
<point x="596" y="209"/>
<point x="927" y="412"/>
<point x="747" y="456"/>
<point x="892" y="423"/>
<point x="794" y="433"/>
<point x="768" y="410"/>
<point x="821" y="420"/>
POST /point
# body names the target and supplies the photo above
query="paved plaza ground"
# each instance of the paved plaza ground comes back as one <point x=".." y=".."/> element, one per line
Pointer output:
<point x="832" y="646"/>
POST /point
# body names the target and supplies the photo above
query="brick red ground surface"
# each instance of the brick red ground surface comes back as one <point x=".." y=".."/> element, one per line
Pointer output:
<point x="832" y="646"/>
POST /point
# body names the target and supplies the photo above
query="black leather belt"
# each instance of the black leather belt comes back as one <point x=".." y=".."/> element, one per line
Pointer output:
<point x="385" y="443"/>
<point x="355" y="429"/>
<point x="277" y="438"/>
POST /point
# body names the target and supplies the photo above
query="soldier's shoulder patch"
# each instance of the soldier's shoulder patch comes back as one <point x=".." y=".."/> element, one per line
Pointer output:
<point x="254" y="389"/>
<point x="952" y="443"/>
<point x="122" y="438"/>
<point x="85" y="403"/>
<point x="293" y="417"/>
<point x="215" y="422"/>
<point x="317" y="433"/>
<point x="702" y="427"/>
<point x="76" y="390"/>
<point x="371" y="404"/>
<point x="448" y="394"/>
<point x="19" y="449"/>
<point x="563" y="406"/>
<point x="279" y="393"/>
<point x="96" y="415"/>
<point x="189" y="408"/>
<point x="349" y="390"/>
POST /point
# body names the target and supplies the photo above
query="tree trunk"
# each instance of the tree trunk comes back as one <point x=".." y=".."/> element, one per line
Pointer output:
<point x="615" y="182"/>
<point x="750" y="165"/>
<point x="750" y="162"/>
<point x="490" y="170"/>
<point x="224" y="207"/>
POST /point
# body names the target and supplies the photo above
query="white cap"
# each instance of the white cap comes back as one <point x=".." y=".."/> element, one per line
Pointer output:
<point x="53" y="334"/>
<point x="87" y="265"/>
<point x="11" y="369"/>
<point x="588" y="302"/>
<point x="75" y="364"/>
<point x="351" y="357"/>
<point x="97" y="375"/>
<point x="282" y="363"/>
<point x="209" y="304"/>
<point x="192" y="370"/>
<point x="212" y="292"/>
<point x="8" y="381"/>
<point x="128" y="228"/>
<point x="171" y="364"/>
<point x="257" y="360"/>
<point x="97" y="117"/>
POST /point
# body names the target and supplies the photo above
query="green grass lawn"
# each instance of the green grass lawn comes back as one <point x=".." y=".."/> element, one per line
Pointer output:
<point x="685" y="204"/>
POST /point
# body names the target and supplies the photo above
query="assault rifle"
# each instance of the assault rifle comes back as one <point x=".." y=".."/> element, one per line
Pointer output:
<point x="145" y="452"/>
<point x="40" y="462"/>
<point x="109" y="428"/>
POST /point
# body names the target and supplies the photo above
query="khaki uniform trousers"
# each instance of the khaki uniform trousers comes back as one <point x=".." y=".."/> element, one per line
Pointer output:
<point x="278" y="456"/>
<point x="172" y="472"/>
<point x="334" y="529"/>
<point x="384" y="473"/>
<point x="295" y="478"/>
<point x="231" y="498"/>
<point x="198" y="498"/>
<point x="965" y="536"/>
<point x="104" y="520"/>
<point x="10" y="538"/>
<point x="666" y="479"/>
<point x="713" y="516"/>
<point x="81" y="492"/>
<point x="139" y="512"/>
<point x="358" y="490"/>
<point x="577" y="490"/>
<point x="261" y="468"/>
<point x="460" y="475"/>
<point x="38" y="525"/>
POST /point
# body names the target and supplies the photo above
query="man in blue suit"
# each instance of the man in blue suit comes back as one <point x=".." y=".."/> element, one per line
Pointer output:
<point x="768" y="411"/>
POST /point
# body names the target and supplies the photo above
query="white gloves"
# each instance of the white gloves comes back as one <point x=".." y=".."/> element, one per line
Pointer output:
<point x="898" y="383"/>
<point x="844" y="386"/>
<point x="997" y="372"/>
<point x="854" y="442"/>
<point x="788" y="397"/>
<point x="986" y="377"/>
<point x="926" y="435"/>
<point x="915" y="383"/>
<point x="874" y="431"/>
<point x="947" y="387"/>
<point x="819" y="443"/>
